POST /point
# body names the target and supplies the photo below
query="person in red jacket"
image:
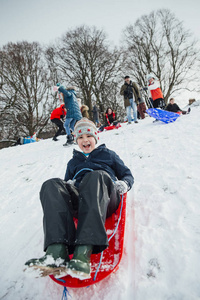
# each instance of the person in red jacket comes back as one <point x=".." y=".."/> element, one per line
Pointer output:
<point x="56" y="116"/>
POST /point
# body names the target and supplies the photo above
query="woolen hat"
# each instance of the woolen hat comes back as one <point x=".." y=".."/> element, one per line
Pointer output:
<point x="151" y="75"/>
<point x="85" y="126"/>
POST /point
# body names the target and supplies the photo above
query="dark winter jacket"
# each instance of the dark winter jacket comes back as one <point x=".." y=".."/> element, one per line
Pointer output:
<point x="100" y="158"/>
<point x="173" y="107"/>
<point x="71" y="103"/>
<point x="128" y="90"/>
<point x="95" y="111"/>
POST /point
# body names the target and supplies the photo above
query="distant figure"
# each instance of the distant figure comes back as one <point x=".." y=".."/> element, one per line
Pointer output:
<point x="84" y="109"/>
<point x="95" y="112"/>
<point x="110" y="119"/>
<point x="141" y="108"/>
<point x="56" y="116"/>
<point x="155" y="91"/>
<point x="131" y="94"/>
<point x="172" y="106"/>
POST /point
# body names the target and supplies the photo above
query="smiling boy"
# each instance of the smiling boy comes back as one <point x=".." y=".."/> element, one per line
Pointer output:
<point x="100" y="177"/>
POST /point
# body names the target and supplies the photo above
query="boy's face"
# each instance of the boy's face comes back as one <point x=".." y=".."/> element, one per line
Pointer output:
<point x="86" y="143"/>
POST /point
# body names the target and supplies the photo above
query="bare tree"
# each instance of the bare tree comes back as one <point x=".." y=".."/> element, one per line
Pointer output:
<point x="82" y="57"/>
<point x="24" y="89"/>
<point x="157" y="43"/>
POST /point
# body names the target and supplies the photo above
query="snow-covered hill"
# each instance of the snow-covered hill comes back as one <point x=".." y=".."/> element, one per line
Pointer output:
<point x="162" y="242"/>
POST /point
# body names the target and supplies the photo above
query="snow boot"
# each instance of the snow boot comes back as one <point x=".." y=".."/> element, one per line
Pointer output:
<point x="79" y="265"/>
<point x="55" y="139"/>
<point x="70" y="140"/>
<point x="55" y="260"/>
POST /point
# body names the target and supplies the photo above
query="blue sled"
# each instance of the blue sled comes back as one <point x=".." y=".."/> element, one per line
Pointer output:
<point x="162" y="115"/>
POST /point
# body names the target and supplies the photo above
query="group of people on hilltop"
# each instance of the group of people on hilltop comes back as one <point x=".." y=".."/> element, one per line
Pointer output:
<point x="133" y="99"/>
<point x="72" y="109"/>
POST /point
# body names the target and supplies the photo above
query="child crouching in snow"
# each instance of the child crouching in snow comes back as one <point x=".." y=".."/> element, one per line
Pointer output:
<point x="94" y="195"/>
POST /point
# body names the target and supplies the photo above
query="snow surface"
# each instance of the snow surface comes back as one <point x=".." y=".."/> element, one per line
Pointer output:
<point x="162" y="241"/>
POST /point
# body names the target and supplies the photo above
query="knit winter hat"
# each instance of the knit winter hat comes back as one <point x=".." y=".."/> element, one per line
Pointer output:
<point x="151" y="75"/>
<point x="85" y="126"/>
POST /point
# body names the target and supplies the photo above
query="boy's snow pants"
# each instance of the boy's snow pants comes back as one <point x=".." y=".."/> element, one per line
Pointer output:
<point x="94" y="201"/>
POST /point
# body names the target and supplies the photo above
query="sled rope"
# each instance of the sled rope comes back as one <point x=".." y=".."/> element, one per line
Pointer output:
<point x="84" y="169"/>
<point x="65" y="293"/>
<point x="97" y="270"/>
<point x="65" y="290"/>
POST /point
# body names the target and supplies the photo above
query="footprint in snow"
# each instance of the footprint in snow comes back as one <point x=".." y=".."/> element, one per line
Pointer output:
<point x="154" y="268"/>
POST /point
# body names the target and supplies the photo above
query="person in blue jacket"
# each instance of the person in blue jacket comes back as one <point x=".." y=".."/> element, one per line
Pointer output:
<point x="94" y="180"/>
<point x="73" y="110"/>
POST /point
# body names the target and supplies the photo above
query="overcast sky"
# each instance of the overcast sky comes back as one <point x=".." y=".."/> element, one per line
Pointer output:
<point x="46" y="20"/>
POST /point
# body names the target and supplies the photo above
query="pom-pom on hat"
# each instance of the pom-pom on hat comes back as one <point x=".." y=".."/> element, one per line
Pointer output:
<point x="85" y="126"/>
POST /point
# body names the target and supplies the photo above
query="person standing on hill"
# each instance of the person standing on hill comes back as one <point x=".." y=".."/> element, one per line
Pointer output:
<point x="95" y="112"/>
<point x="155" y="91"/>
<point x="131" y="94"/>
<point x="56" y="116"/>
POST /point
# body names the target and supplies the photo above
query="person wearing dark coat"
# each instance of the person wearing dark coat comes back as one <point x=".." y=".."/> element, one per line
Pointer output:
<point x="94" y="180"/>
<point x="131" y="94"/>
<point x="56" y="116"/>
<point x="95" y="112"/>
<point x="172" y="106"/>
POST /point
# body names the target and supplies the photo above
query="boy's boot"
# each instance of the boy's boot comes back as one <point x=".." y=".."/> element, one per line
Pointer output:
<point x="56" y="257"/>
<point x="80" y="263"/>
<point x="55" y="139"/>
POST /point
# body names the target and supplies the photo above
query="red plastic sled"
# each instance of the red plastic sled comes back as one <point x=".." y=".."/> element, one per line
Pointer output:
<point x="111" y="256"/>
<point x="112" y="127"/>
